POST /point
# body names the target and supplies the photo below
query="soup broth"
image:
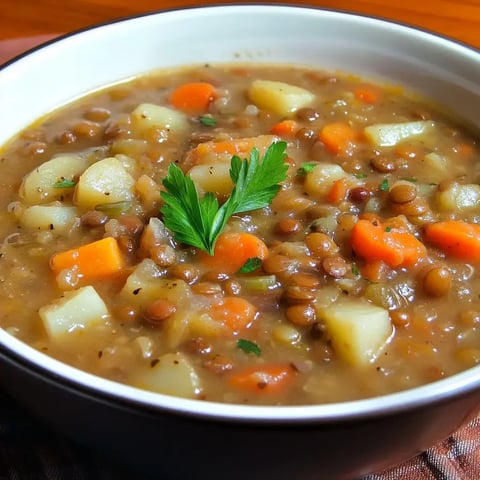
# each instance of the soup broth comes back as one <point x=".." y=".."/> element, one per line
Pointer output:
<point x="345" y="270"/>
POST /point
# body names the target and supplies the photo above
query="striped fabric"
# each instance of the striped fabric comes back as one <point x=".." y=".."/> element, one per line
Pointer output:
<point x="29" y="451"/>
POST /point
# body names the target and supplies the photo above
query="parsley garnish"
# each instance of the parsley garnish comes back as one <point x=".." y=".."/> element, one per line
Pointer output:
<point x="306" y="167"/>
<point x="207" y="120"/>
<point x="248" y="347"/>
<point x="64" y="183"/>
<point x="384" y="186"/>
<point x="360" y="175"/>
<point x="388" y="229"/>
<point x="199" y="221"/>
<point x="250" y="265"/>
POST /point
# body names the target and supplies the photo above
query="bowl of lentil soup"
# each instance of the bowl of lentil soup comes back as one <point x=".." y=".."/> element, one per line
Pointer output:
<point x="262" y="236"/>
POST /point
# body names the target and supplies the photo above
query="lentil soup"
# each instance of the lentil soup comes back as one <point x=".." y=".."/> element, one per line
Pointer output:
<point x="345" y="268"/>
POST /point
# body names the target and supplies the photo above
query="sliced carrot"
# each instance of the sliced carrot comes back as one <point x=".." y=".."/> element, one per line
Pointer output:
<point x="338" y="137"/>
<point x="285" y="128"/>
<point x="193" y="97"/>
<point x="93" y="260"/>
<point x="338" y="192"/>
<point x="263" y="379"/>
<point x="456" y="238"/>
<point x="367" y="93"/>
<point x="235" y="313"/>
<point x="373" y="241"/>
<point x="232" y="250"/>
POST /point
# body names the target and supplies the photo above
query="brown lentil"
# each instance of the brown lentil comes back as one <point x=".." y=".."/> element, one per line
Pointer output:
<point x="437" y="282"/>
<point x="158" y="311"/>
<point x="302" y="315"/>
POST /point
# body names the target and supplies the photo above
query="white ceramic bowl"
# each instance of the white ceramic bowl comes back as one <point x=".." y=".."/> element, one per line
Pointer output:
<point x="181" y="438"/>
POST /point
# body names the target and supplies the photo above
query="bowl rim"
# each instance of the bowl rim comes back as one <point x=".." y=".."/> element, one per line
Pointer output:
<point x="19" y="352"/>
<point x="293" y="6"/>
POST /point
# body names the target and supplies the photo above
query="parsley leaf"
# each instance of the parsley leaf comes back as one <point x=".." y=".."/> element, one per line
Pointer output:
<point x="207" y="120"/>
<point x="199" y="221"/>
<point x="64" y="183"/>
<point x="384" y="186"/>
<point x="248" y="347"/>
<point x="250" y="265"/>
<point x="355" y="270"/>
<point x="360" y="175"/>
<point x="306" y="167"/>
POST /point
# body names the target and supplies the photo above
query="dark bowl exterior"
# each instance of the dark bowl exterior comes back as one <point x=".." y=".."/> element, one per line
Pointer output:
<point x="170" y="446"/>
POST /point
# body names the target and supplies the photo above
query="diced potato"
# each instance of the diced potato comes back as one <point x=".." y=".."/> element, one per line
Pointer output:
<point x="38" y="187"/>
<point x="173" y="374"/>
<point x="148" y="115"/>
<point x="319" y="181"/>
<point x="358" y="330"/>
<point x="459" y="197"/>
<point x="203" y="325"/>
<point x="212" y="178"/>
<point x="279" y="97"/>
<point x="145" y="284"/>
<point x="106" y="181"/>
<point x="56" y="218"/>
<point x="75" y="310"/>
<point x="391" y="134"/>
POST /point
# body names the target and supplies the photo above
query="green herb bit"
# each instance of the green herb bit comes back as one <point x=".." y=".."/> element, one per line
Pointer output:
<point x="115" y="208"/>
<point x="199" y="221"/>
<point x="260" y="283"/>
<point x="384" y="186"/>
<point x="248" y="347"/>
<point x="360" y="175"/>
<point x="64" y="183"/>
<point x="306" y="168"/>
<point x="251" y="265"/>
<point x="388" y="229"/>
<point x="208" y="120"/>
<point x="410" y="179"/>
<point x="355" y="270"/>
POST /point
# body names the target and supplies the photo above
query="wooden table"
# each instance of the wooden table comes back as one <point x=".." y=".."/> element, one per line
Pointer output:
<point x="24" y="23"/>
<point x="459" y="19"/>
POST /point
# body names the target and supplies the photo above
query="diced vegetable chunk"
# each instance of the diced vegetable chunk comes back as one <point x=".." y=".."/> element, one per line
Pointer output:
<point x="55" y="218"/>
<point x="93" y="260"/>
<point x="279" y="97"/>
<point x="149" y="115"/>
<point x="173" y="374"/>
<point x="320" y="180"/>
<point x="213" y="178"/>
<point x="75" y="310"/>
<point x="106" y="181"/>
<point x="459" y="197"/>
<point x="144" y="285"/>
<point x="391" y="134"/>
<point x="52" y="180"/>
<point x="358" y="330"/>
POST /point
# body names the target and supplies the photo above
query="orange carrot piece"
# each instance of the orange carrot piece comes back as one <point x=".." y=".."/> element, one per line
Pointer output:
<point x="338" y="137"/>
<point x="263" y="379"/>
<point x="338" y="192"/>
<point x="235" y="313"/>
<point x="456" y="238"/>
<point x="285" y="128"/>
<point x="193" y="97"/>
<point x="367" y="93"/>
<point x="93" y="260"/>
<point x="372" y="241"/>
<point x="232" y="250"/>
